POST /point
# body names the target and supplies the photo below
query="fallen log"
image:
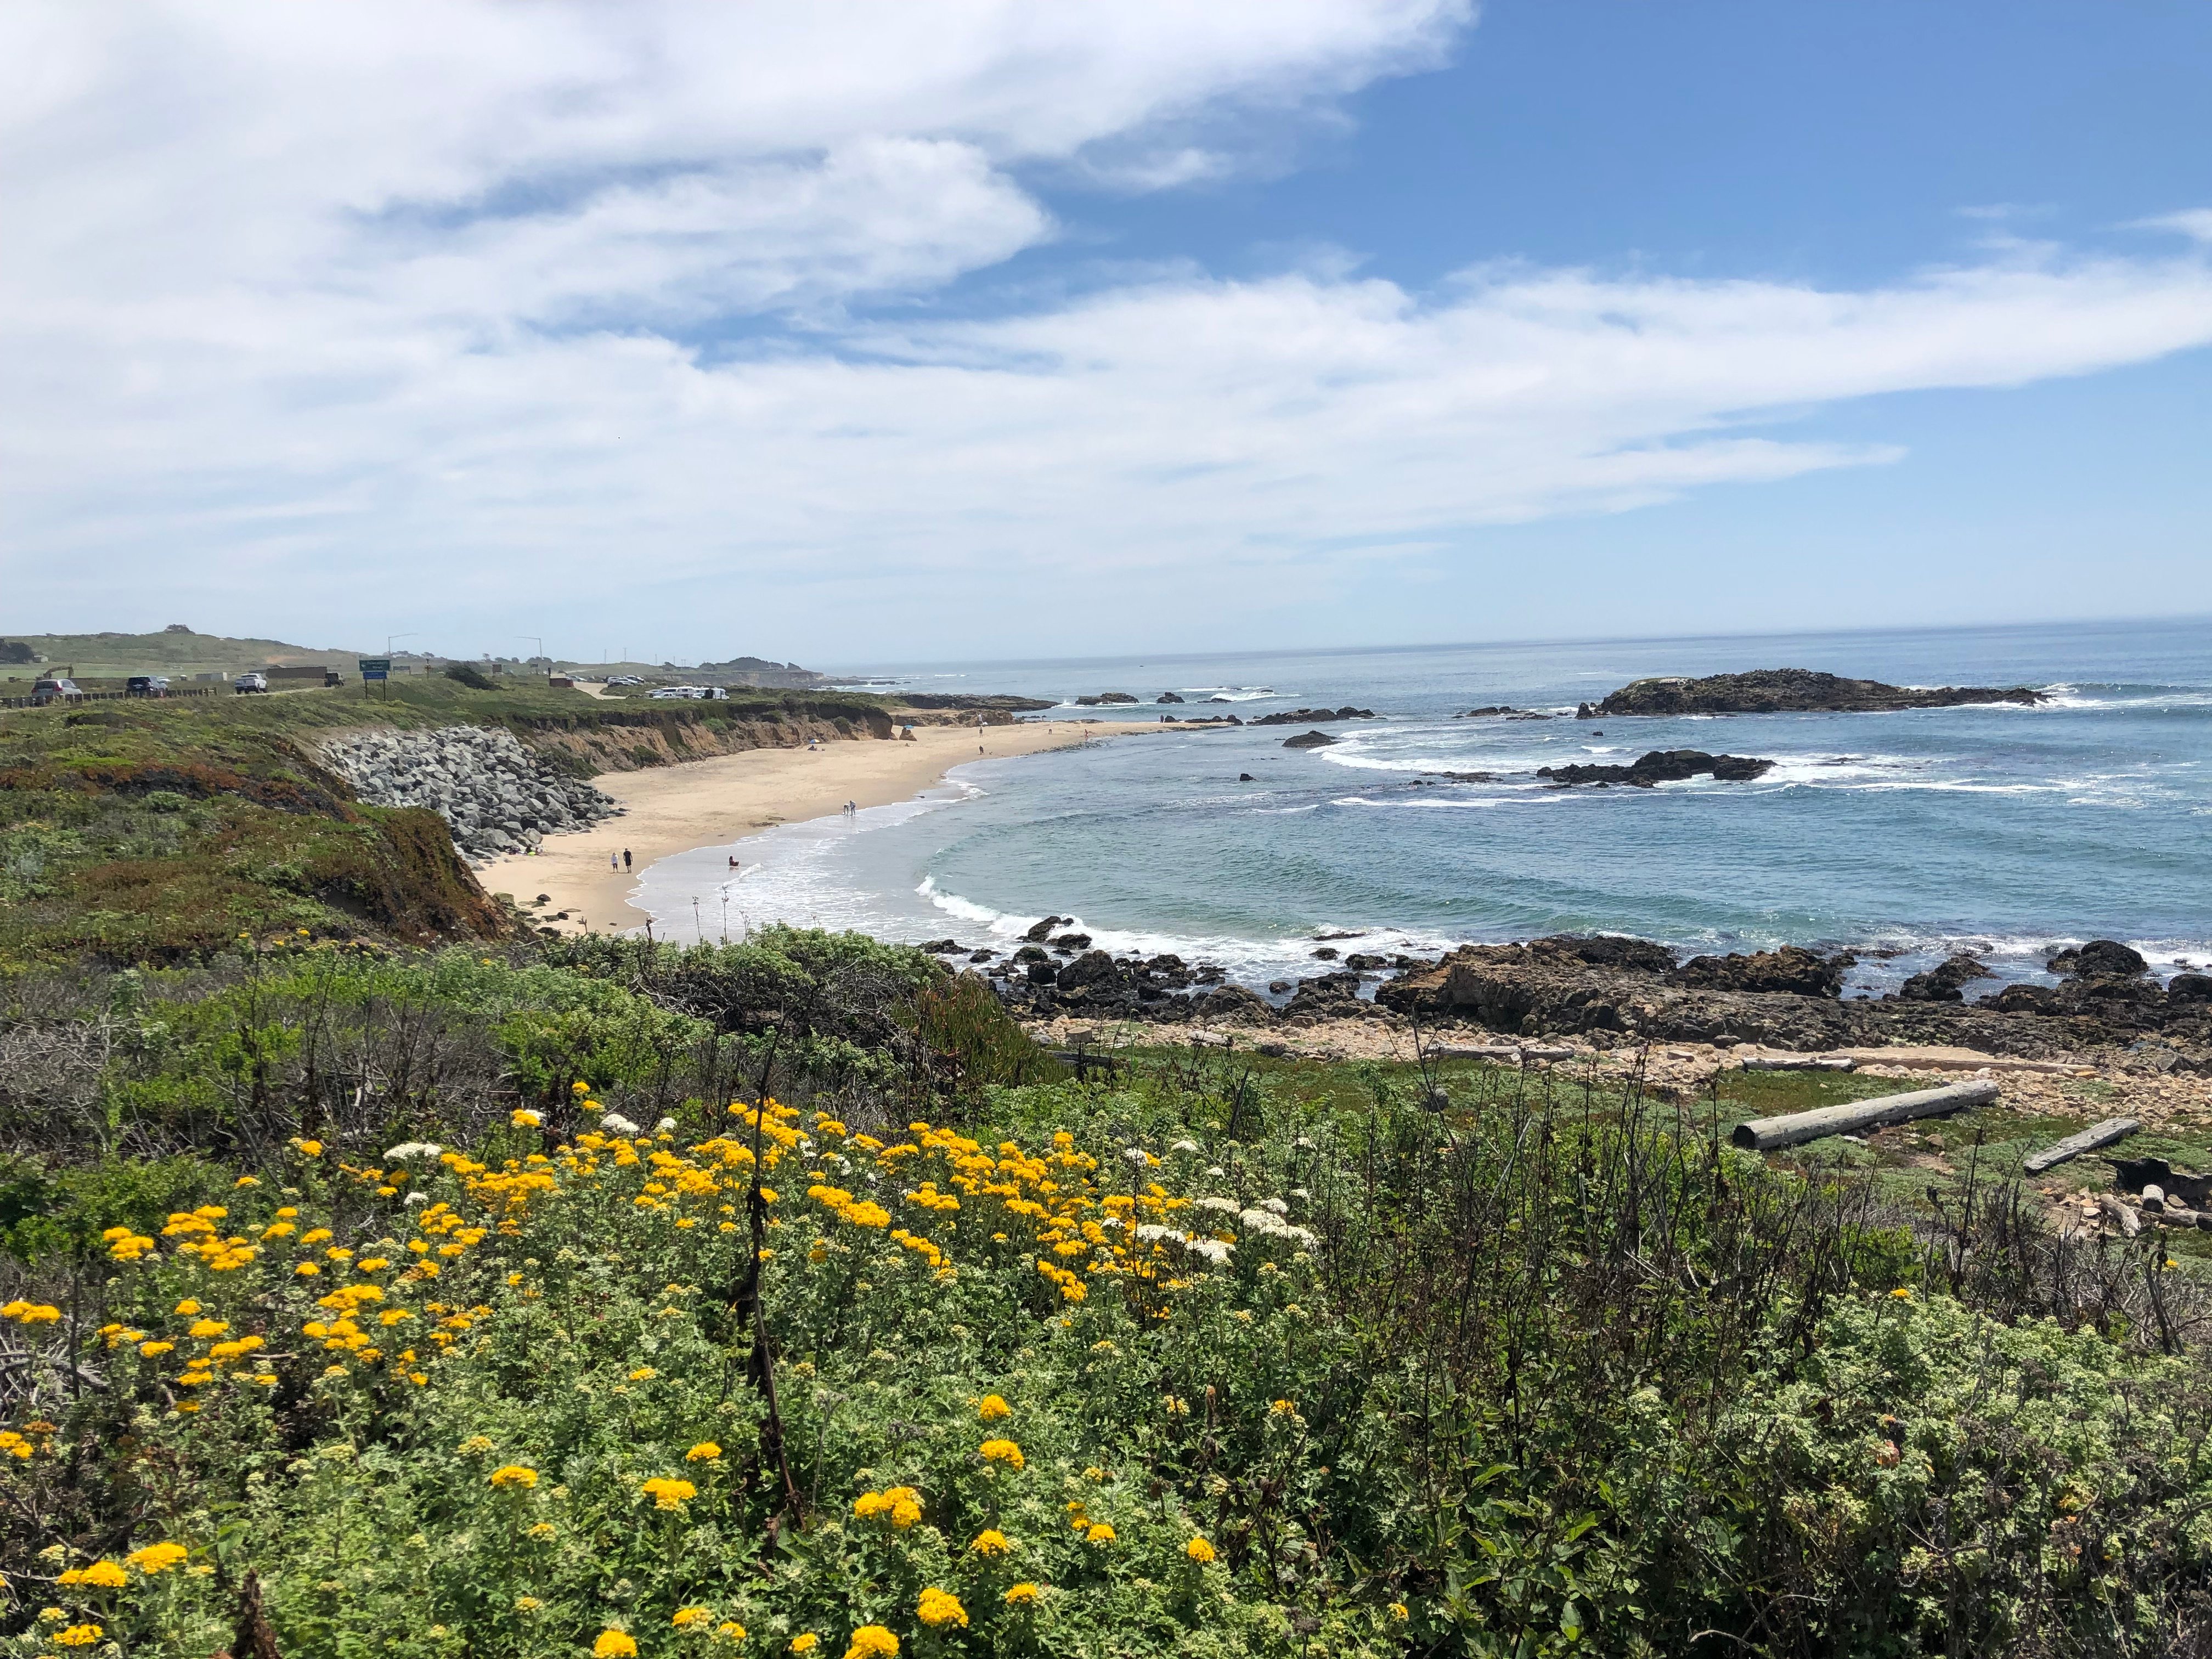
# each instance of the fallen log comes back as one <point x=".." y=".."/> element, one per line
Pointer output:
<point x="1800" y="1063"/>
<point x="2096" y="1135"/>
<point x="1765" y="1134"/>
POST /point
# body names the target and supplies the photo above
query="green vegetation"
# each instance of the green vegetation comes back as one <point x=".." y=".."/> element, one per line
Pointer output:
<point x="113" y="656"/>
<point x="157" y="831"/>
<point x="443" y="1303"/>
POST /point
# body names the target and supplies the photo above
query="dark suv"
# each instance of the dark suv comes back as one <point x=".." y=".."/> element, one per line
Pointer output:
<point x="147" y="686"/>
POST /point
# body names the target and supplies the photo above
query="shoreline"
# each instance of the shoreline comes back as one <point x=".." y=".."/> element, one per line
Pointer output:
<point x="668" y="809"/>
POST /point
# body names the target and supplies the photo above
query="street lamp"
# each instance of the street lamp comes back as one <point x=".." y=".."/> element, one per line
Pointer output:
<point x="539" y="642"/>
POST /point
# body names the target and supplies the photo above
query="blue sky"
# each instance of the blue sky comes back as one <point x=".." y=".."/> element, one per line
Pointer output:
<point x="859" y="332"/>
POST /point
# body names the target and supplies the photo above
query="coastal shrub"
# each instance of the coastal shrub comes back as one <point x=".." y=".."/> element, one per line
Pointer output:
<point x="469" y="674"/>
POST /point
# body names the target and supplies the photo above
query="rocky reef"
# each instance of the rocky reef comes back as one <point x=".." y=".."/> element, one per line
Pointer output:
<point x="1313" y="716"/>
<point x="1662" y="765"/>
<point x="495" y="795"/>
<point x="1789" y="690"/>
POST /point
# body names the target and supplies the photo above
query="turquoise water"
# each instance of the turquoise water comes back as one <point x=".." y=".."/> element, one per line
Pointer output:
<point x="2000" y="829"/>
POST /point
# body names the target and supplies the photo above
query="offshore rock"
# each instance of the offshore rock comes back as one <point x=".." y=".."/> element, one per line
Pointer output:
<point x="1777" y="690"/>
<point x="1314" y="716"/>
<point x="1944" y="984"/>
<point x="2099" y="955"/>
<point x="1307" y="739"/>
<point x="1662" y="765"/>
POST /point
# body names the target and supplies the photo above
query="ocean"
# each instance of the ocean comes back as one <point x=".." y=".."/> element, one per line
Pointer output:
<point x="2000" y="830"/>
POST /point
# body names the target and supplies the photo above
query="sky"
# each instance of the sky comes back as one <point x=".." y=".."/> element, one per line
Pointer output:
<point x="877" y="331"/>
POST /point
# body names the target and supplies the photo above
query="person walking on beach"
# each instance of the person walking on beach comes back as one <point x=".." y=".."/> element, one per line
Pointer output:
<point x="625" y="860"/>
<point x="613" y="863"/>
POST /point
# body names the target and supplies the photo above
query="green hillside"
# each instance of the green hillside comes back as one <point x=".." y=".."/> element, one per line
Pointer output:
<point x="176" y="651"/>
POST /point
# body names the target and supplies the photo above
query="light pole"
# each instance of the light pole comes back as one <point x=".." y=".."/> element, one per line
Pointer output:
<point x="388" y="638"/>
<point x="539" y="642"/>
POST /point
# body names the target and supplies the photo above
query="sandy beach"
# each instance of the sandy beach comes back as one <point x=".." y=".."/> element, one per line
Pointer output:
<point x="673" y="808"/>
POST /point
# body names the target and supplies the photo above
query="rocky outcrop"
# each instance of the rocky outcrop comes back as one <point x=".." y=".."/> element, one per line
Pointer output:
<point x="1307" y="740"/>
<point x="1779" y="690"/>
<point x="1314" y="716"/>
<point x="1166" y="697"/>
<point x="1505" y="711"/>
<point x="1557" y="985"/>
<point x="2106" y="957"/>
<point x="973" y="703"/>
<point x="1662" y="765"/>
<point x="495" y="795"/>
<point x="1791" y="968"/>
<point x="1104" y="698"/>
<point x="1945" y="983"/>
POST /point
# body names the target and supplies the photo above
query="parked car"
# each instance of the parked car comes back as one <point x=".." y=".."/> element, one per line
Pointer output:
<point x="247" y="682"/>
<point x="147" y="686"/>
<point x="53" y="690"/>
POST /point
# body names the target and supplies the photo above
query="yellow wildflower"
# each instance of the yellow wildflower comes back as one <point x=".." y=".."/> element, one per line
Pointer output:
<point x="1199" y="1551"/>
<point x="614" y="1644"/>
<point x="1021" y="1594"/>
<point x="84" y="1636"/>
<point x="101" y="1574"/>
<point x="513" y="1474"/>
<point x="668" y="1494"/>
<point x="705" y="1452"/>
<point x="523" y="1118"/>
<point x="938" y="1607"/>
<point x="157" y="1558"/>
<point x="806" y="1644"/>
<point x="1400" y="1612"/>
<point x="1001" y="1451"/>
<point x="643" y="1374"/>
<point x="687" y="1617"/>
<point x="1100" y="1532"/>
<point x="155" y="1350"/>
<point x="990" y="1541"/>
<point x="872" y="1642"/>
<point x="991" y="1407"/>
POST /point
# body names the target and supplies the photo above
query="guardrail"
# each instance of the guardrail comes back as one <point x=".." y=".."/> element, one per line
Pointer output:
<point x="112" y="696"/>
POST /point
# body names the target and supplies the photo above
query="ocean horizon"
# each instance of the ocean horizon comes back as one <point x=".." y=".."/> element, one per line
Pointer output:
<point x="1906" y="836"/>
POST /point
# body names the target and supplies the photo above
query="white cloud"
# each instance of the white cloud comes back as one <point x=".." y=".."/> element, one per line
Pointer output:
<point x="364" y="302"/>
<point x="2195" y="223"/>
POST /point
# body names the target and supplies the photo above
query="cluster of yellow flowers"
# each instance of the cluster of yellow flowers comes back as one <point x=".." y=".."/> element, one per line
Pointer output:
<point x="900" y="1505"/>
<point x="669" y="1494"/>
<point x="30" y="1313"/>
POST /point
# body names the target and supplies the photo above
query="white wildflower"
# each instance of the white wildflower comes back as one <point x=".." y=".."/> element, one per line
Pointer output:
<point x="665" y="1125"/>
<point x="1152" y="1232"/>
<point x="1213" y="1249"/>
<point x="1276" y="1204"/>
<point x="1184" y="1147"/>
<point x="1137" y="1156"/>
<point x="408" y="1151"/>
<point x="1301" y="1194"/>
<point x="1226" y="1206"/>
<point x="1213" y="1169"/>
<point x="418" y="1198"/>
<point x="1303" y="1143"/>
<point x="619" y="1123"/>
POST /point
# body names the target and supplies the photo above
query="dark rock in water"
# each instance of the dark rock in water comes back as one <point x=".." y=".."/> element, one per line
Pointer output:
<point x="1166" y="697"/>
<point x="1504" y="711"/>
<point x="1079" y="941"/>
<point x="940" y="947"/>
<point x="1245" y="777"/>
<point x="2189" y="988"/>
<point x="1279" y="987"/>
<point x="1470" y="777"/>
<point x="1663" y="765"/>
<point x="2021" y="999"/>
<point x="1036" y="935"/>
<point x="1314" y="716"/>
<point x="1792" y="968"/>
<point x="1943" y="984"/>
<point x="2099" y="955"/>
<point x="1221" y="699"/>
<point x="1585" y="712"/>
<point x="1773" y="690"/>
<point x="1308" y="740"/>
<point x="1042" y="973"/>
<point x="1327" y="953"/>
<point x="1104" y="698"/>
<point x="1030" y="953"/>
<point x="1365" y="961"/>
<point x="1087" y="969"/>
<point x="980" y="956"/>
